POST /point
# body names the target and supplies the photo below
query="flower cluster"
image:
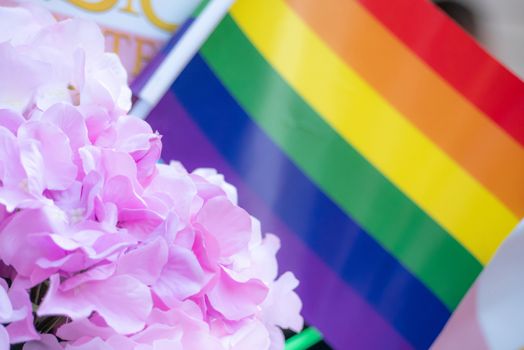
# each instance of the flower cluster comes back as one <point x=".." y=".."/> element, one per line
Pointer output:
<point x="101" y="247"/>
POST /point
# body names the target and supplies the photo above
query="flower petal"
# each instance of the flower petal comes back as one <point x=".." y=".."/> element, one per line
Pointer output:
<point x="20" y="77"/>
<point x="251" y="336"/>
<point x="229" y="224"/>
<point x="236" y="300"/>
<point x="215" y="178"/>
<point x="122" y="301"/>
<point x="6" y="309"/>
<point x="22" y="330"/>
<point x="11" y="120"/>
<point x="68" y="119"/>
<point x="4" y="339"/>
<point x="80" y="328"/>
<point x="57" y="166"/>
<point x="90" y="344"/>
<point x="47" y="342"/>
<point x="282" y="307"/>
<point x="144" y="263"/>
<point x="173" y="185"/>
<point x="22" y="234"/>
<point x="181" y="277"/>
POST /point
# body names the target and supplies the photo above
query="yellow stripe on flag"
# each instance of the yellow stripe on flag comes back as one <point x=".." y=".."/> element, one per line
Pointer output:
<point x="476" y="218"/>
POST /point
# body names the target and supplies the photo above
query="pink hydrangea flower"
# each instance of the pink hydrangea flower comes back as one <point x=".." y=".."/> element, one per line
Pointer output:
<point x="111" y="249"/>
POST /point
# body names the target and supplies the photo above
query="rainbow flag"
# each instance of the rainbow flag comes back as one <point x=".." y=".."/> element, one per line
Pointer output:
<point x="377" y="139"/>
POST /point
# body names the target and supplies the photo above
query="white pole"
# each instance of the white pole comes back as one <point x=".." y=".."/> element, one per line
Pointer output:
<point x="179" y="56"/>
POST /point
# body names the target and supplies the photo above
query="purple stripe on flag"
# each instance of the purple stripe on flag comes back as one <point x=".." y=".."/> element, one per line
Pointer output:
<point x="329" y="303"/>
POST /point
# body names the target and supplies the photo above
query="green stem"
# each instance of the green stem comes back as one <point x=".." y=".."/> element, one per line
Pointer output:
<point x="48" y="324"/>
<point x="302" y="341"/>
<point x="37" y="294"/>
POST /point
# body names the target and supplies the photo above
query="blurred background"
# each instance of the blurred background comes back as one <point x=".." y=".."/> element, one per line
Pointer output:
<point x="497" y="24"/>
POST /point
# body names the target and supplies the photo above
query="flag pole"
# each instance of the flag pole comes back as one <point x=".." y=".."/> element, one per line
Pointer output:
<point x="177" y="59"/>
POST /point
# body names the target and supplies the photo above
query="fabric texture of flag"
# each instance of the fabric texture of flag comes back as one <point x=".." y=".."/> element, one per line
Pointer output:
<point x="376" y="138"/>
